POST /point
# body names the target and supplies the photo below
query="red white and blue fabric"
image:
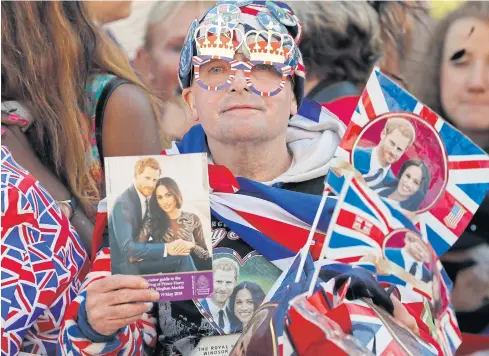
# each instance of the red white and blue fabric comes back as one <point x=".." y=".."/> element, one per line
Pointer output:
<point x="130" y="340"/>
<point x="278" y="207"/>
<point x="368" y="331"/>
<point x="43" y="263"/>
<point x="468" y="165"/>
<point x="362" y="222"/>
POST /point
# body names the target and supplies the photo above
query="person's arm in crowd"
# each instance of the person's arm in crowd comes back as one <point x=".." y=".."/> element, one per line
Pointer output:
<point x="22" y="152"/>
<point x="130" y="127"/>
<point x="111" y="314"/>
<point x="19" y="227"/>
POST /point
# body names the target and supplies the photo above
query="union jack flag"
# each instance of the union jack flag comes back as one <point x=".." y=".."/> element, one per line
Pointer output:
<point x="43" y="263"/>
<point x="300" y="322"/>
<point x="361" y="221"/>
<point x="467" y="178"/>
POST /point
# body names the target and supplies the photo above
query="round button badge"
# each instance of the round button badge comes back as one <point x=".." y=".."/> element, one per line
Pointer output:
<point x="185" y="64"/>
<point x="268" y="22"/>
<point x="239" y="3"/>
<point x="280" y="14"/>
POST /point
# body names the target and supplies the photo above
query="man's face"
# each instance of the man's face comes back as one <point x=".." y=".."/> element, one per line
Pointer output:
<point x="146" y="181"/>
<point x="417" y="248"/>
<point x="392" y="146"/>
<point x="236" y="115"/>
<point x="224" y="283"/>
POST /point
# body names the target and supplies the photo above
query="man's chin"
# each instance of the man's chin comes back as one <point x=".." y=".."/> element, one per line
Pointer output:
<point x="244" y="131"/>
<point x="220" y="299"/>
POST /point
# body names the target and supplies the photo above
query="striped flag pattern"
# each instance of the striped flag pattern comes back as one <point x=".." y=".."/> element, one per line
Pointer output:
<point x="468" y="166"/>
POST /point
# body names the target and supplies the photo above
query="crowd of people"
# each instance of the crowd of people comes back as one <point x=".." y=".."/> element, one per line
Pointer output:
<point x="71" y="96"/>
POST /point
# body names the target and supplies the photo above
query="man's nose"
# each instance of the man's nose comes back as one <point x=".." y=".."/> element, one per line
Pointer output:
<point x="239" y="83"/>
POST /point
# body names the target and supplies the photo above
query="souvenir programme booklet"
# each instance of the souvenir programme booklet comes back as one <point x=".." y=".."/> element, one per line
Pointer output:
<point x="159" y="222"/>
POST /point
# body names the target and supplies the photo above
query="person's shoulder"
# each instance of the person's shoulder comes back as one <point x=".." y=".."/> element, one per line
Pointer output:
<point x="394" y="253"/>
<point x="127" y="196"/>
<point x="363" y="150"/>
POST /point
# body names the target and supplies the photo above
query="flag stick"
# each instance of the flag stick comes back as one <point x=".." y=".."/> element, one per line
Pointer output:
<point x="305" y="249"/>
<point x="329" y="232"/>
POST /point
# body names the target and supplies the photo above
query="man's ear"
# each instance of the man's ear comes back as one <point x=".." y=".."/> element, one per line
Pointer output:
<point x="293" y="106"/>
<point x="189" y="98"/>
<point x="382" y="134"/>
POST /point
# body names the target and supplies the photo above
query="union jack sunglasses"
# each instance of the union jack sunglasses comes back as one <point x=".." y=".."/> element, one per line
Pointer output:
<point x="262" y="77"/>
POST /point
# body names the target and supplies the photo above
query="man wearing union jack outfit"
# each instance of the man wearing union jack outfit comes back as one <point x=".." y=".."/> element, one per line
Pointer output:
<point x="242" y="76"/>
<point x="43" y="263"/>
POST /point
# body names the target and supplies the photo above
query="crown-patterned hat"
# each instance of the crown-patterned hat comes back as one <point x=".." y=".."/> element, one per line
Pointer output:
<point x="265" y="31"/>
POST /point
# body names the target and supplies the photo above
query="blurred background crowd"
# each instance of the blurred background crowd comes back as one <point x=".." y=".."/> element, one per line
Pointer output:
<point x="429" y="47"/>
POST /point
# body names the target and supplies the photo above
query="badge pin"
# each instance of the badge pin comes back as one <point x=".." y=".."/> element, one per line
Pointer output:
<point x="187" y="51"/>
<point x="280" y="14"/>
<point x="294" y="58"/>
<point x="227" y="14"/>
<point x="239" y="3"/>
<point x="267" y="22"/>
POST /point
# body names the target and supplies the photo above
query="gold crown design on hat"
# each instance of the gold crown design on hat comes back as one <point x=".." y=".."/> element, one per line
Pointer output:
<point x="220" y="42"/>
<point x="272" y="49"/>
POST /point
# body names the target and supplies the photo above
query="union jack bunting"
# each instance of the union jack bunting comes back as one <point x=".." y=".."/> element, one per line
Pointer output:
<point x="460" y="182"/>
<point x="43" y="263"/>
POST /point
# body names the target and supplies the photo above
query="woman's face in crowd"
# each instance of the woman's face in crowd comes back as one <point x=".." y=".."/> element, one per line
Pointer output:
<point x="167" y="40"/>
<point x="465" y="74"/>
<point x="410" y="181"/>
<point x="165" y="199"/>
<point x="108" y="11"/>
<point x="243" y="306"/>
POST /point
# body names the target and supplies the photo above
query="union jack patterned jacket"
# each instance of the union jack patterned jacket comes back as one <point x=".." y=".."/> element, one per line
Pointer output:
<point x="43" y="263"/>
<point x="131" y="340"/>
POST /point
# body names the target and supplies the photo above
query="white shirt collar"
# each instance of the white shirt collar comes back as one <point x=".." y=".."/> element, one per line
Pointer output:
<point x="375" y="163"/>
<point x="375" y="166"/>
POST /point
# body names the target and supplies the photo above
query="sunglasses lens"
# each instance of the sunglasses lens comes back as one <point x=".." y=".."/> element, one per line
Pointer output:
<point x="215" y="72"/>
<point x="266" y="77"/>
